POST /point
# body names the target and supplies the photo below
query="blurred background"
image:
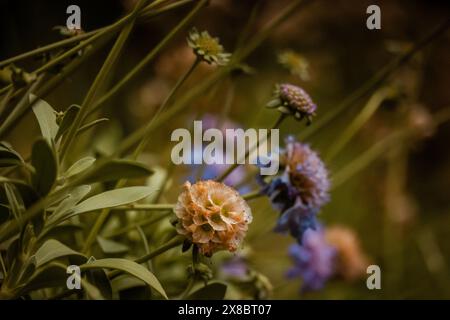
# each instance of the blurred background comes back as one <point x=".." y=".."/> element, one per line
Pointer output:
<point x="397" y="204"/>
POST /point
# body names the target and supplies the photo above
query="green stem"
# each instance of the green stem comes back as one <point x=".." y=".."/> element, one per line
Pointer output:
<point x="171" y="94"/>
<point x="366" y="158"/>
<point x="8" y="229"/>
<point x="49" y="47"/>
<point x="175" y="242"/>
<point x="105" y="213"/>
<point x="364" y="115"/>
<point x="48" y="86"/>
<point x="141" y="223"/>
<point x="373" y="82"/>
<point x="145" y="207"/>
<point x="230" y="169"/>
<point x="99" y="80"/>
<point x="144" y="62"/>
<point x="252" y="195"/>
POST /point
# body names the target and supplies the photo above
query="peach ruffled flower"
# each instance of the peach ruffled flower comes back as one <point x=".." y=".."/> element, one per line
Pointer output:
<point x="352" y="262"/>
<point x="213" y="216"/>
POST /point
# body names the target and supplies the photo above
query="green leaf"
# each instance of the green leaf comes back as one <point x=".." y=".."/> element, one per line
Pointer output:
<point x="67" y="204"/>
<point x="110" y="246"/>
<point x="119" y="169"/>
<point x="125" y="281"/>
<point x="67" y="120"/>
<point x="8" y="156"/>
<point x="212" y="291"/>
<point x="79" y="166"/>
<point x="44" y="162"/>
<point x="46" y="118"/>
<point x="53" y="249"/>
<point x="130" y="267"/>
<point x="91" y="124"/>
<point x="110" y="199"/>
<point x="27" y="193"/>
<point x="15" y="202"/>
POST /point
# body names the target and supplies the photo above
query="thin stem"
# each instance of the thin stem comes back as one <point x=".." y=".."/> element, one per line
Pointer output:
<point x="105" y="212"/>
<point x="169" y="97"/>
<point x="144" y="62"/>
<point x="373" y="82"/>
<point x="5" y="100"/>
<point x="50" y="47"/>
<point x="230" y="169"/>
<point x="5" y="273"/>
<point x="252" y="195"/>
<point x="364" y="115"/>
<point x="8" y="229"/>
<point x="146" y="247"/>
<point x="133" y="226"/>
<point x="48" y="86"/>
<point x="175" y="242"/>
<point x="188" y="289"/>
<point x="366" y="158"/>
<point x="99" y="80"/>
<point x="145" y="207"/>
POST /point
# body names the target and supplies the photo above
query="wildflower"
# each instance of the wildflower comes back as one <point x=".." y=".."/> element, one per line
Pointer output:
<point x="235" y="268"/>
<point x="207" y="48"/>
<point x="313" y="260"/>
<point x="293" y="100"/>
<point x="213" y="216"/>
<point x="351" y="261"/>
<point x="301" y="189"/>
<point x="295" y="63"/>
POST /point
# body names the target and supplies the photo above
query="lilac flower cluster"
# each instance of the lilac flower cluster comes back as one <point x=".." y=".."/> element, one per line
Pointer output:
<point x="299" y="192"/>
<point x="301" y="189"/>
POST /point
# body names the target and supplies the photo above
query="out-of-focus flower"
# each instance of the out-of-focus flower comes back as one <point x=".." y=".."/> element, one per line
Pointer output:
<point x="293" y="100"/>
<point x="420" y="121"/>
<point x="213" y="216"/>
<point x="212" y="171"/>
<point x="207" y="48"/>
<point x="351" y="262"/>
<point x="301" y="189"/>
<point x="236" y="267"/>
<point x="295" y="63"/>
<point x="313" y="260"/>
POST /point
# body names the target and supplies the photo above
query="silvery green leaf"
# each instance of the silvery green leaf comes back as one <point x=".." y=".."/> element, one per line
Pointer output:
<point x="8" y="156"/>
<point x="119" y="169"/>
<point x="46" y="117"/>
<point x="67" y="120"/>
<point x="79" y="166"/>
<point x="130" y="267"/>
<point x="110" y="199"/>
<point x="53" y="249"/>
<point x="65" y="206"/>
<point x="110" y="246"/>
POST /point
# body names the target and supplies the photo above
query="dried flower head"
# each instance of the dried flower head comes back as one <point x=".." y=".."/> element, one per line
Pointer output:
<point x="207" y="48"/>
<point x="295" y="63"/>
<point x="313" y="260"/>
<point x="293" y="100"/>
<point x="352" y="262"/>
<point x="213" y="216"/>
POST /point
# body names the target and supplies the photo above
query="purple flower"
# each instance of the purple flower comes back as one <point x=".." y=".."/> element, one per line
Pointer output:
<point x="293" y="100"/>
<point x="301" y="189"/>
<point x="235" y="267"/>
<point x="313" y="260"/>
